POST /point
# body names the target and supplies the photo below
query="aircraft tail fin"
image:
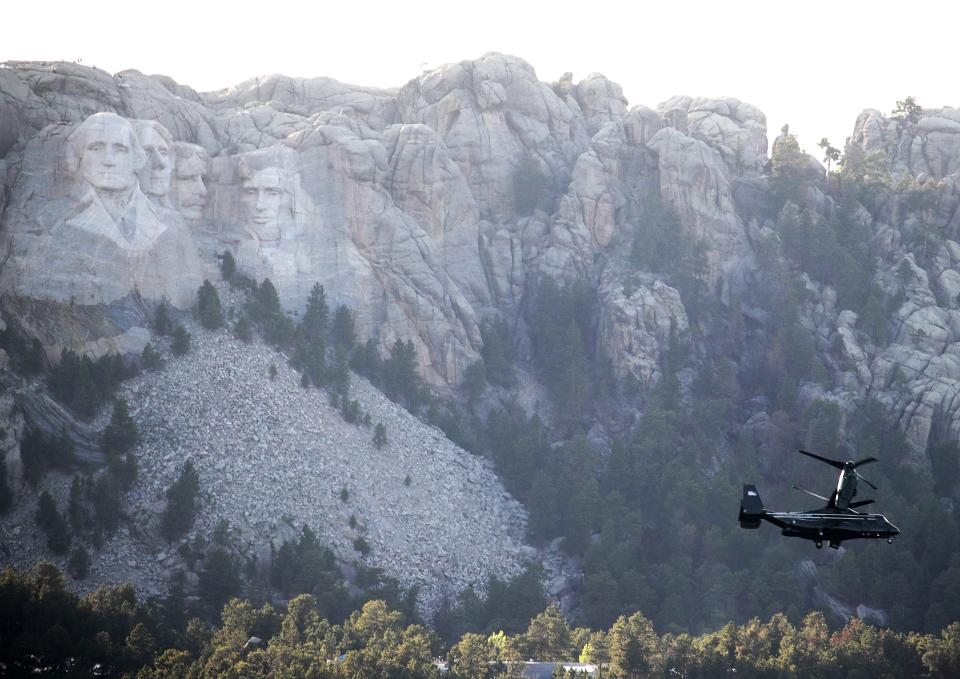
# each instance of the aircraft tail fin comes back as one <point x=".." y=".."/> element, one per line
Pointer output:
<point x="751" y="507"/>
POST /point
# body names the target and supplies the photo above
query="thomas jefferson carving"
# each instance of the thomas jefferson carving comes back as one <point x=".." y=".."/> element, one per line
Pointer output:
<point x="158" y="152"/>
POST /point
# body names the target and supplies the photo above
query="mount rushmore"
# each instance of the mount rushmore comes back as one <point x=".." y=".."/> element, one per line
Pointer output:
<point x="121" y="190"/>
<point x="430" y="208"/>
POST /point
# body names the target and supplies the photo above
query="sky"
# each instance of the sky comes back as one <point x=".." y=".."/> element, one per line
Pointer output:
<point x="813" y="64"/>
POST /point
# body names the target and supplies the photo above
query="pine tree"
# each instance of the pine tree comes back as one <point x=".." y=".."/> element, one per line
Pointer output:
<point x="121" y="434"/>
<point x="180" y="512"/>
<point x="219" y="580"/>
<point x="209" y="309"/>
<point x="313" y="327"/>
<point x="181" y="341"/>
<point x="150" y="358"/>
<point x="366" y="361"/>
<point x="339" y="374"/>
<point x="264" y="304"/>
<point x="79" y="563"/>
<point x="35" y="361"/>
<point x="242" y="330"/>
<point x="548" y="636"/>
<point x="343" y="332"/>
<point x="313" y="362"/>
<point x="46" y="511"/>
<point x="633" y="646"/>
<point x="400" y="377"/>
<point x="124" y="470"/>
<point x="228" y="266"/>
<point x="51" y="522"/>
<point x="40" y="453"/>
<point x="497" y="353"/>
<point x="788" y="179"/>
<point x="161" y="320"/>
<point x="106" y="505"/>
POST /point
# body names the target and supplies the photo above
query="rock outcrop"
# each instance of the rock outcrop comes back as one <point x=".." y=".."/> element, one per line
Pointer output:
<point x="402" y="203"/>
<point x="928" y="146"/>
<point x="638" y="314"/>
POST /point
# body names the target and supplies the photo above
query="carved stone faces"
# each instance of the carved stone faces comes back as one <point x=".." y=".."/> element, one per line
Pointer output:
<point x="189" y="191"/>
<point x="261" y="197"/>
<point x="108" y="151"/>
<point x="156" y="173"/>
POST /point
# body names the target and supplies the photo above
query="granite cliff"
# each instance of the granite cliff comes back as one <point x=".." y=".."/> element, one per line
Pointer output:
<point x="436" y="207"/>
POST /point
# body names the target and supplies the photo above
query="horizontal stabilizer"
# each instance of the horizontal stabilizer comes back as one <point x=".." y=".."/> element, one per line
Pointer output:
<point x="860" y="503"/>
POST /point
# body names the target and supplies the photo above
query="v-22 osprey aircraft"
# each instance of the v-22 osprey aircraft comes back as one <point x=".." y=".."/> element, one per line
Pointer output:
<point x="837" y="521"/>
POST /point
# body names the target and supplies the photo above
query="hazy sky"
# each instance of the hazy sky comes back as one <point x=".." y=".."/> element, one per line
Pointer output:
<point x="813" y="64"/>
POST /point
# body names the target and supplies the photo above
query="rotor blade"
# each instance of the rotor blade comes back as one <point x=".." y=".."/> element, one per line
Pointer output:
<point x="860" y="503"/>
<point x="866" y="460"/>
<point x="865" y="481"/>
<point x="832" y="463"/>
<point x="819" y="497"/>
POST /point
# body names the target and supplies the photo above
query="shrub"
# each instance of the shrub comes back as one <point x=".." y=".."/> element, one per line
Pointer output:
<point x="380" y="435"/>
<point x="350" y="410"/>
<point x="361" y="545"/>
<point x="241" y="329"/>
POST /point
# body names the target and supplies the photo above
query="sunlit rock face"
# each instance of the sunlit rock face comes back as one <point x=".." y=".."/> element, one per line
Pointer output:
<point x="315" y="210"/>
<point x="637" y="316"/>
<point x="491" y="113"/>
<point x="695" y="182"/>
<point x="926" y="147"/>
<point x="735" y="129"/>
<point x="403" y="204"/>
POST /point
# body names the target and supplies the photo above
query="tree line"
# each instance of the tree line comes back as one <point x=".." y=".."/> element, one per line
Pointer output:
<point x="110" y="632"/>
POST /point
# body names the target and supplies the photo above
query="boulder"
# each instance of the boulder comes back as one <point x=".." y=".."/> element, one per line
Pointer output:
<point x="637" y="315"/>
<point x="737" y="130"/>
<point x="491" y="114"/>
<point x="601" y="101"/>
<point x="929" y="146"/>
